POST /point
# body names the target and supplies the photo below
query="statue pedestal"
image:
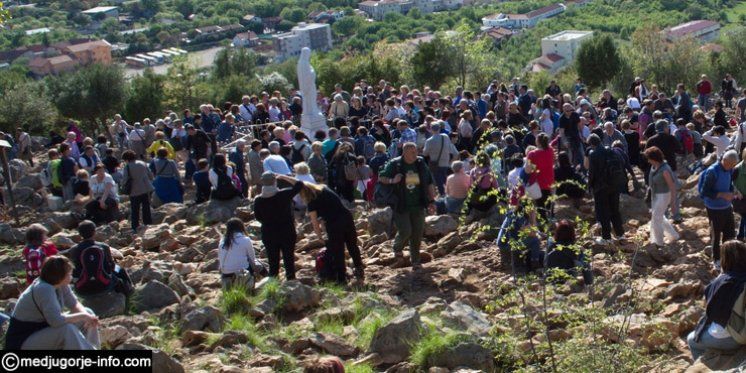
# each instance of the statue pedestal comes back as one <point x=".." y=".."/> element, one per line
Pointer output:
<point x="310" y="123"/>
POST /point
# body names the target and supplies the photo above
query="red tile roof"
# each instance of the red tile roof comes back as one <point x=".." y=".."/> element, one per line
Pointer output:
<point x="685" y="29"/>
<point x="554" y="57"/>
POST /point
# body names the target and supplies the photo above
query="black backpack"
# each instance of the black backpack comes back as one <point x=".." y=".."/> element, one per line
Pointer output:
<point x="297" y="154"/>
<point x="225" y="190"/>
<point x="386" y="194"/>
<point x="615" y="177"/>
<point x="94" y="277"/>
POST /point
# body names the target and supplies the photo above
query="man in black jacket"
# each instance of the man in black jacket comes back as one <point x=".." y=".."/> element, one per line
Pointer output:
<point x="666" y="142"/>
<point x="605" y="194"/>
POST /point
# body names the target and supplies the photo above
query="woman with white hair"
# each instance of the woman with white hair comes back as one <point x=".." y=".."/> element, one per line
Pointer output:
<point x="339" y="108"/>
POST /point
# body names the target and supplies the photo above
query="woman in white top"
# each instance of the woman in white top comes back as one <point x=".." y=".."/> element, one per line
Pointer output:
<point x="238" y="263"/>
<point x="103" y="206"/>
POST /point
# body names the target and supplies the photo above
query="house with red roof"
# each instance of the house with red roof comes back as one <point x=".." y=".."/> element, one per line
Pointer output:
<point x="703" y="30"/>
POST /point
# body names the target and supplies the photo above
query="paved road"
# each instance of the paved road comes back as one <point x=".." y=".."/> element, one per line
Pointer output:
<point x="199" y="59"/>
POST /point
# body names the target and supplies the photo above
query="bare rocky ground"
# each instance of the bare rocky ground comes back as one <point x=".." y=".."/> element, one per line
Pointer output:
<point x="462" y="312"/>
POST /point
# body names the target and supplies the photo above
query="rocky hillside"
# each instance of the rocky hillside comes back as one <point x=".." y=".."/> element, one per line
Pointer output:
<point x="462" y="312"/>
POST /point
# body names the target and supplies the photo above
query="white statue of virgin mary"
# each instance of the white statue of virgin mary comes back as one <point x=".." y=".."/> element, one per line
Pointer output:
<point x="312" y="119"/>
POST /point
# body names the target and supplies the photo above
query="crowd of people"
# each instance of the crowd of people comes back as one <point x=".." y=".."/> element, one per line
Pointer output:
<point x="418" y="151"/>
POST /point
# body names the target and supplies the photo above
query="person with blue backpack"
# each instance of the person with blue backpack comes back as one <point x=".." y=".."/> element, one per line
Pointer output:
<point x="716" y="189"/>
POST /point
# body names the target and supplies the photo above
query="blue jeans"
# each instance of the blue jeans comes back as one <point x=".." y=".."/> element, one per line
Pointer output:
<point x="703" y="101"/>
<point x="440" y="174"/>
<point x="708" y="342"/>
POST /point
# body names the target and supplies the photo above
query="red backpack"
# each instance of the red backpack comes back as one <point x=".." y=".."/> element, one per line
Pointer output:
<point x="94" y="277"/>
<point x="687" y="141"/>
<point x="34" y="257"/>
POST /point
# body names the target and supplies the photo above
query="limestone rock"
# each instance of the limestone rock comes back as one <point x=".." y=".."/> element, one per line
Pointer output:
<point x="105" y="305"/>
<point x="466" y="317"/>
<point x="162" y="362"/>
<point x="393" y="341"/>
<point x="380" y="221"/>
<point x="177" y="283"/>
<point x="65" y="240"/>
<point x="440" y="225"/>
<point x="333" y="345"/>
<point x="297" y="297"/>
<point x="11" y="235"/>
<point x="154" y="235"/>
<point x="344" y="315"/>
<point x="113" y="336"/>
<point x="203" y="318"/>
<point x="31" y="181"/>
<point x="464" y="354"/>
<point x="10" y="287"/>
<point x="154" y="295"/>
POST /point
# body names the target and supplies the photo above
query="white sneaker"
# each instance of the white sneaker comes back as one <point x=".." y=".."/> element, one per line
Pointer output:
<point x="602" y="241"/>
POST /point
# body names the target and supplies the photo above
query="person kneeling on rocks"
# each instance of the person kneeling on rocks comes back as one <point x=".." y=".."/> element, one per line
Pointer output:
<point x="238" y="263"/>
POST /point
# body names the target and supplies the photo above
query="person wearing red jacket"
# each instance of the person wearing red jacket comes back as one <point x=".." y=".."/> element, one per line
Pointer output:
<point x="704" y="89"/>
<point x="36" y="250"/>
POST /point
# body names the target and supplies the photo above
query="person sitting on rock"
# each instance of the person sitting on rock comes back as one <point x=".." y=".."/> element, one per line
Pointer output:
<point x="86" y="256"/>
<point x="238" y="263"/>
<point x="37" y="249"/>
<point x="38" y="323"/>
<point x="720" y="296"/>
<point x="564" y="254"/>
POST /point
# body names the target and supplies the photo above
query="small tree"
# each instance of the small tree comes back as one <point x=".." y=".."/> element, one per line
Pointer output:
<point x="598" y="60"/>
<point x="274" y="82"/>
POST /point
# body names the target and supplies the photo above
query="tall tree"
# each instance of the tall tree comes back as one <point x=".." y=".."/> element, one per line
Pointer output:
<point x="598" y="60"/>
<point x="91" y="95"/>
<point x="237" y="61"/>
<point x="432" y="63"/>
<point x="666" y="63"/>
<point x="28" y="106"/>
<point x="145" y="96"/>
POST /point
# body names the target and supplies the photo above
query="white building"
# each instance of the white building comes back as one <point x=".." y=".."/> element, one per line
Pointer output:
<point x="102" y="12"/>
<point x="703" y="30"/>
<point x="377" y="9"/>
<point x="525" y="20"/>
<point x="558" y="50"/>
<point x="317" y="36"/>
